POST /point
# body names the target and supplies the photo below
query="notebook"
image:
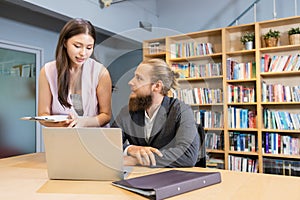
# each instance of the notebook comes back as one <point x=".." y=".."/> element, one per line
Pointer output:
<point x="169" y="183"/>
<point x="84" y="153"/>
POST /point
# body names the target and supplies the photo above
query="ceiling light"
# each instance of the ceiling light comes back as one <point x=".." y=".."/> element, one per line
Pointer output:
<point x="106" y="3"/>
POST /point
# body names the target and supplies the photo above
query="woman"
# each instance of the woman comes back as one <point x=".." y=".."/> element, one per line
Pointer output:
<point x="74" y="84"/>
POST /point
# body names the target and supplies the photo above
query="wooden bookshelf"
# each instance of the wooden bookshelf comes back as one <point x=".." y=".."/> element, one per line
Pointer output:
<point x="155" y="48"/>
<point x="187" y="52"/>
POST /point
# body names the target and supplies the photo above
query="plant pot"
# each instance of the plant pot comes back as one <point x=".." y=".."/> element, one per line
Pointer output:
<point x="249" y="45"/>
<point x="271" y="42"/>
<point x="294" y="39"/>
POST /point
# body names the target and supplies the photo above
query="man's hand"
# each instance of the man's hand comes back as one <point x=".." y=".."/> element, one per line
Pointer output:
<point x="130" y="161"/>
<point x="144" y="155"/>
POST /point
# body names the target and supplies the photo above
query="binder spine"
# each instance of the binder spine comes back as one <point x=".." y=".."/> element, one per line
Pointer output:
<point x="187" y="186"/>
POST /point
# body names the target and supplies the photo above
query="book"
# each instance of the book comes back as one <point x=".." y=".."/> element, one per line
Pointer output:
<point x="25" y="70"/>
<point x="267" y="61"/>
<point x="173" y="51"/>
<point x="169" y="183"/>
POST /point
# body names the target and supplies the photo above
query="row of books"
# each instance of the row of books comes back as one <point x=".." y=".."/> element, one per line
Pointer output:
<point x="279" y="63"/>
<point x="214" y="141"/>
<point x="199" y="95"/>
<point x="209" y="119"/>
<point x="215" y="162"/>
<point x="242" y="164"/>
<point x="192" y="70"/>
<point x="240" y="71"/>
<point x="282" y="120"/>
<point x="155" y="47"/>
<point x="276" y="143"/>
<point x="240" y="94"/>
<point x="241" y="118"/>
<point x="188" y="49"/>
<point x="242" y="142"/>
<point x="280" y="93"/>
<point x="22" y="70"/>
<point x="281" y="167"/>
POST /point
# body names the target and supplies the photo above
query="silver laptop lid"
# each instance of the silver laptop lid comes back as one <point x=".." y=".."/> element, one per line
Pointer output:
<point x="84" y="153"/>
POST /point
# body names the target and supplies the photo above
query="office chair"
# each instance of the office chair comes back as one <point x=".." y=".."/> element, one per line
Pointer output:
<point x="202" y="152"/>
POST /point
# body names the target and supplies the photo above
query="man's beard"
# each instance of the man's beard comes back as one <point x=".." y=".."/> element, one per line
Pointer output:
<point x="140" y="103"/>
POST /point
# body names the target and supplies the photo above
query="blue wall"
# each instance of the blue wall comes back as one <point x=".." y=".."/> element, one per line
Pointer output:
<point x="21" y="33"/>
<point x="195" y="15"/>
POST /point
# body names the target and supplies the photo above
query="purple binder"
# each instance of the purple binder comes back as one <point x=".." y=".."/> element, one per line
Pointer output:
<point x="170" y="183"/>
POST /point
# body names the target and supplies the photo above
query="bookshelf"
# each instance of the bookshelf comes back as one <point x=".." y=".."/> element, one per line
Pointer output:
<point x="155" y="48"/>
<point x="240" y="100"/>
<point x="198" y="57"/>
<point x="221" y="80"/>
<point x="272" y="154"/>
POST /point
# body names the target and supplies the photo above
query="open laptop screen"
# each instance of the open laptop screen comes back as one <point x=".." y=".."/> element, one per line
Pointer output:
<point x="84" y="153"/>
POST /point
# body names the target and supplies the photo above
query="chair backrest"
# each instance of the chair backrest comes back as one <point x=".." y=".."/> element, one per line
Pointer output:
<point x="202" y="152"/>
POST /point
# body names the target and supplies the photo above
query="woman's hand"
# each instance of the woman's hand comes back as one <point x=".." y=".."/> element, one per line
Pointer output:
<point x="77" y="121"/>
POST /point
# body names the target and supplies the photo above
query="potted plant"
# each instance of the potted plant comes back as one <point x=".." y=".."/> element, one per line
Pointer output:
<point x="294" y="35"/>
<point x="248" y="40"/>
<point x="271" y="38"/>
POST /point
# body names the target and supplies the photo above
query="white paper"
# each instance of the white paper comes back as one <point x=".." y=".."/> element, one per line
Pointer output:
<point x="50" y="118"/>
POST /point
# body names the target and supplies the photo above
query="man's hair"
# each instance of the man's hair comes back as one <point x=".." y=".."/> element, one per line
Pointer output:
<point x="161" y="71"/>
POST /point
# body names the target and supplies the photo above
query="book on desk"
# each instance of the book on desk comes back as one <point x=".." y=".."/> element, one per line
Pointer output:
<point x="170" y="183"/>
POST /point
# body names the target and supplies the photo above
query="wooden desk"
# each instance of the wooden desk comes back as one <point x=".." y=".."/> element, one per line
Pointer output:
<point x="25" y="177"/>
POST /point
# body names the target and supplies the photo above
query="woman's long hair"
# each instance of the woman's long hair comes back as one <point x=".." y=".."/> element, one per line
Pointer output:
<point x="72" y="28"/>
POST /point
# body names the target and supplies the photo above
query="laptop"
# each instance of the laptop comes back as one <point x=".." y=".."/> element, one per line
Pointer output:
<point x="84" y="153"/>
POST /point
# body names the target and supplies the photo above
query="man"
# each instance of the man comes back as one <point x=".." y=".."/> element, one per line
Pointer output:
<point x="157" y="130"/>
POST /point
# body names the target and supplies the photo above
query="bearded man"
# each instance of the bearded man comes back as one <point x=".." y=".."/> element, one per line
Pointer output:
<point x="158" y="131"/>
